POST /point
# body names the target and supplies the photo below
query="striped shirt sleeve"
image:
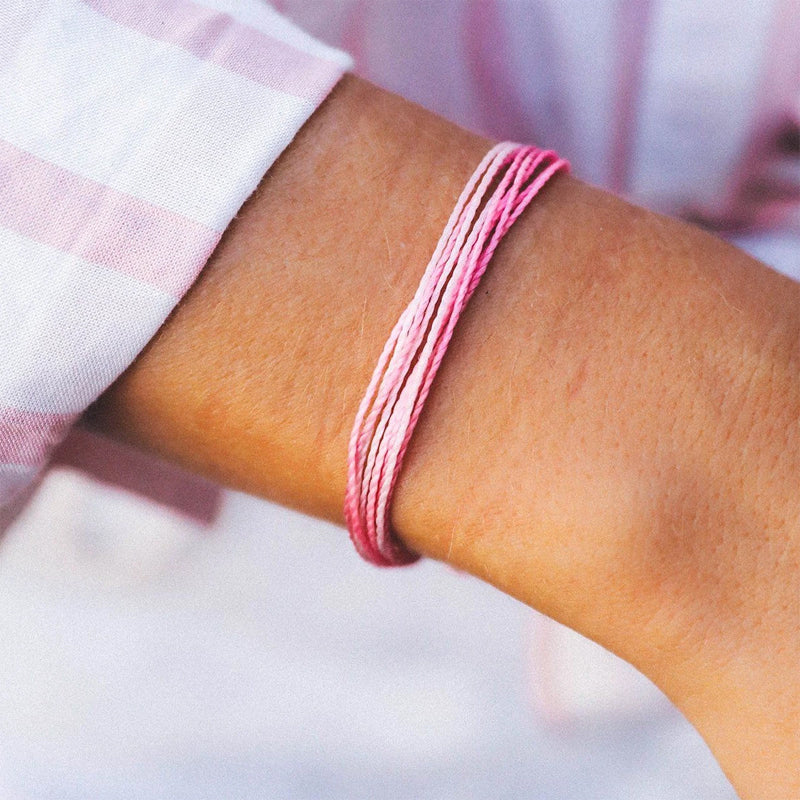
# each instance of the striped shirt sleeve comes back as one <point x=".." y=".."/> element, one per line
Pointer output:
<point x="131" y="132"/>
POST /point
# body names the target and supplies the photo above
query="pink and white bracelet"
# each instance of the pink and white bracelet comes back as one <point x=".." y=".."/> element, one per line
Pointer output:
<point x="507" y="179"/>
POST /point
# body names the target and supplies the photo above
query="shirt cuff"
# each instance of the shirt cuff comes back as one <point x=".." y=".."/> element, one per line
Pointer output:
<point x="130" y="135"/>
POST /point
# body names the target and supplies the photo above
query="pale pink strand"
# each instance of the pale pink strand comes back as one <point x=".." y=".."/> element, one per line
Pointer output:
<point x="388" y="466"/>
<point x="410" y="323"/>
<point x="414" y="319"/>
<point x="511" y="210"/>
<point x="397" y="367"/>
<point x="471" y="253"/>
<point x="408" y="410"/>
<point x="385" y="543"/>
<point x="428" y="326"/>
<point x="383" y="549"/>
<point x="480" y="265"/>
<point x="503" y="200"/>
<point x="383" y="478"/>
<point x="398" y="363"/>
<point x="505" y="203"/>
<point x="519" y="206"/>
<point x="478" y="260"/>
<point x="388" y="354"/>
<point x="479" y="234"/>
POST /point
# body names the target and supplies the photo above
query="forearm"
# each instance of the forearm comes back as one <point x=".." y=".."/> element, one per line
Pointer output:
<point x="613" y="436"/>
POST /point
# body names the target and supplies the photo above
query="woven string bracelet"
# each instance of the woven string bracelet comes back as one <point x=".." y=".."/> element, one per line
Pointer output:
<point x="504" y="183"/>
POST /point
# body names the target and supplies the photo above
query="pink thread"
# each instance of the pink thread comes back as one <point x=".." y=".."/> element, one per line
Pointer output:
<point x="504" y="183"/>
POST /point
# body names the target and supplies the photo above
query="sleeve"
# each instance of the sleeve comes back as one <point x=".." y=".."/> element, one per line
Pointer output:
<point x="131" y="132"/>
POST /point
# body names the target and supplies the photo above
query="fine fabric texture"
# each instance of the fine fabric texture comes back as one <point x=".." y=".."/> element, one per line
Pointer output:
<point x="130" y="135"/>
<point x="500" y="189"/>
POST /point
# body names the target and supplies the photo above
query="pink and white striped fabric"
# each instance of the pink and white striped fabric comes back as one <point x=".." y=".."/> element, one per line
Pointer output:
<point x="131" y="132"/>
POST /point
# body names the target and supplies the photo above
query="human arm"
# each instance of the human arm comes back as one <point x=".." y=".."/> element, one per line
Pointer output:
<point x="613" y="437"/>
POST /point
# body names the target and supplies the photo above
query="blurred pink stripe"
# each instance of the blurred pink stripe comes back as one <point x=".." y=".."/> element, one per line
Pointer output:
<point x="485" y="41"/>
<point x="217" y="37"/>
<point x="354" y="35"/>
<point x="79" y="216"/>
<point x="633" y="23"/>
<point x="125" y="467"/>
<point x="778" y="104"/>
<point x="26" y="437"/>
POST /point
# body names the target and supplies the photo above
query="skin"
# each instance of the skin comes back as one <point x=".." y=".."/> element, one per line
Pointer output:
<point x="613" y="437"/>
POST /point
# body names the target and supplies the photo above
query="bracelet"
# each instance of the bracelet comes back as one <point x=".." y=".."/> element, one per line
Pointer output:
<point x="507" y="179"/>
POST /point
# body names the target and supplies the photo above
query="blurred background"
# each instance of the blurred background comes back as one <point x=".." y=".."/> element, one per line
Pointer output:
<point x="145" y="656"/>
<point x="247" y="652"/>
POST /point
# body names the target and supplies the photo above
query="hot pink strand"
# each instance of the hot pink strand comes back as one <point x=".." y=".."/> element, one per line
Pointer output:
<point x="502" y="186"/>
